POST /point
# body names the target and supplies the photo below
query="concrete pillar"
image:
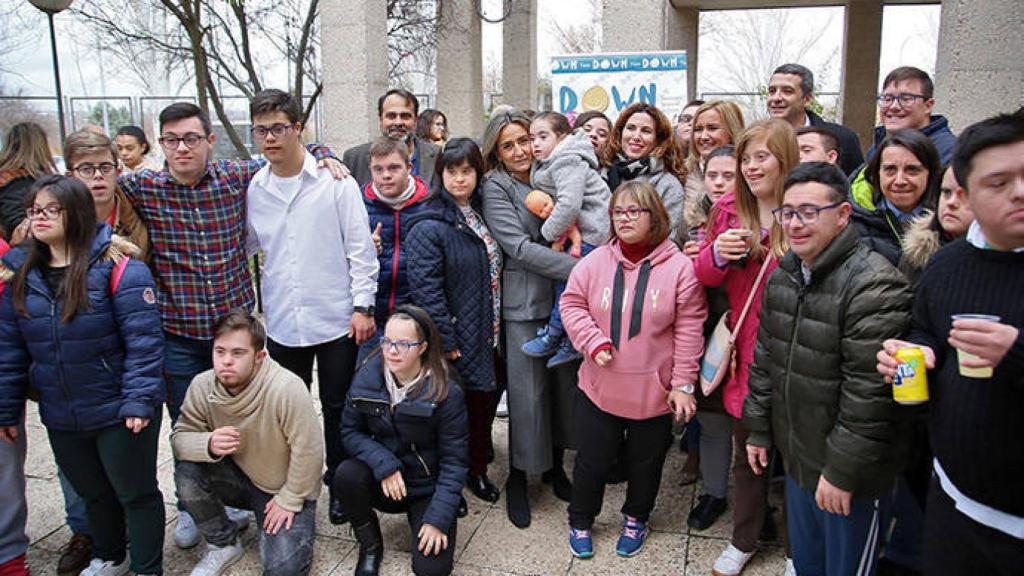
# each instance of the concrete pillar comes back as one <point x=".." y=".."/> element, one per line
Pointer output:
<point x="519" y="55"/>
<point x="633" y="26"/>
<point x="354" y="81"/>
<point x="460" y="68"/>
<point x="862" y="47"/>
<point x="682" y="31"/>
<point x="979" y="70"/>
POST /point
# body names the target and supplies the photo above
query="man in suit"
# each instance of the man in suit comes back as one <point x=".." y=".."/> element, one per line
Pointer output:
<point x="398" y="110"/>
<point x="790" y="91"/>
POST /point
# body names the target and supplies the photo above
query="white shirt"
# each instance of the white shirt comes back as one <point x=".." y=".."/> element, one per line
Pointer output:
<point x="320" y="260"/>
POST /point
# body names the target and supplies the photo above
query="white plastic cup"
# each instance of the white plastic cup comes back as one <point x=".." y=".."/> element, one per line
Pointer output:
<point x="966" y="371"/>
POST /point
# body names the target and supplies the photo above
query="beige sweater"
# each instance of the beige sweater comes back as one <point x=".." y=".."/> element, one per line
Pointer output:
<point x="282" y="449"/>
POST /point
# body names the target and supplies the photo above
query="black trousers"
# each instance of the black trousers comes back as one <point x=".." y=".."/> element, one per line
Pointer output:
<point x="955" y="545"/>
<point x="599" y="446"/>
<point x="336" y="363"/>
<point x="360" y="493"/>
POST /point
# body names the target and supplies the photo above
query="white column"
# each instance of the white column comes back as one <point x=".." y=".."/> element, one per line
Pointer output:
<point x="862" y="46"/>
<point x="460" y="68"/>
<point x="519" y="55"/>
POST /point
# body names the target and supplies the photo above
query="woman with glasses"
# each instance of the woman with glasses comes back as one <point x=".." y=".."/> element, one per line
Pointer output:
<point x="636" y="311"/>
<point x="25" y="157"/>
<point x="743" y="236"/>
<point x="405" y="428"/>
<point x="79" y="321"/>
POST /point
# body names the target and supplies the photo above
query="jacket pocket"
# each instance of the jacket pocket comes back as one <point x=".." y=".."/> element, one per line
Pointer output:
<point x="629" y="394"/>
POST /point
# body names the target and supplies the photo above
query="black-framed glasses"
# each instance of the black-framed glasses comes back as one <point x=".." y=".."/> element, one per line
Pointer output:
<point x="88" y="170"/>
<point x="904" y="98"/>
<point x="278" y="130"/>
<point x="400" y="346"/>
<point x="806" y="213"/>
<point x="631" y="213"/>
<point x="171" y="142"/>
<point x="50" y="211"/>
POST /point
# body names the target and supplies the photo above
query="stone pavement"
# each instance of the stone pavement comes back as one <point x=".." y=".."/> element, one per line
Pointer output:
<point x="487" y="544"/>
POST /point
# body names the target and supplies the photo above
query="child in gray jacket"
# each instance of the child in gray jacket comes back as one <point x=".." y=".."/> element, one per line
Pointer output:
<point x="566" y="168"/>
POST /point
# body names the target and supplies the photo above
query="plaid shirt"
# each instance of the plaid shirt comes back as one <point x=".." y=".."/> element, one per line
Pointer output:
<point x="197" y="234"/>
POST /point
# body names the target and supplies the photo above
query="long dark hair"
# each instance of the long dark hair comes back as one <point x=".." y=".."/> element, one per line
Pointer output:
<point x="664" y="139"/>
<point x="923" y="149"/>
<point x="454" y="153"/>
<point x="425" y="124"/>
<point x="79" y="215"/>
<point x="434" y="361"/>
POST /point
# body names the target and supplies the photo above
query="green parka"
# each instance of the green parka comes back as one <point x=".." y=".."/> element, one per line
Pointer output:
<point x="814" y="389"/>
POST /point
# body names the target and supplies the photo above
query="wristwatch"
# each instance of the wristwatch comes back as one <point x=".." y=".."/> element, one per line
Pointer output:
<point x="686" y="389"/>
<point x="369" y="310"/>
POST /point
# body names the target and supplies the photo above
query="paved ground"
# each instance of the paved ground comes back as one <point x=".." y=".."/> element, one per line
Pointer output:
<point x="488" y="544"/>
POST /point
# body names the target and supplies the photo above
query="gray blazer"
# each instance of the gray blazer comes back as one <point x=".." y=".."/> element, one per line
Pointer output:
<point x="357" y="159"/>
<point x="531" y="267"/>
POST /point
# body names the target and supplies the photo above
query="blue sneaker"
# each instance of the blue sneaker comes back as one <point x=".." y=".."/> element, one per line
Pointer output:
<point x="566" y="354"/>
<point x="631" y="541"/>
<point x="544" y="345"/>
<point x="580" y="543"/>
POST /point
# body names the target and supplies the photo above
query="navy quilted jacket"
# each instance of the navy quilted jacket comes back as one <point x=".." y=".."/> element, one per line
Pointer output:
<point x="428" y="441"/>
<point x="452" y="282"/>
<point x="393" y="281"/>
<point x="96" y="370"/>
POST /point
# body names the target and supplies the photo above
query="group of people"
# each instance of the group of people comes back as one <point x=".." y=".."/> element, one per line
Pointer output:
<point x="582" y="266"/>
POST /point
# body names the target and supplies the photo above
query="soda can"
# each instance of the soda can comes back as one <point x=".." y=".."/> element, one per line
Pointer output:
<point x="910" y="386"/>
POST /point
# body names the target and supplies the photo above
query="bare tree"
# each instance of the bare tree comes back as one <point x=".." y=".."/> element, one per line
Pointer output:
<point x="583" y="37"/>
<point x="413" y="27"/>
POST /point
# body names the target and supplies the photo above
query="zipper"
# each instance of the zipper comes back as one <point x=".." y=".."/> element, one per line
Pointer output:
<point x="789" y="359"/>
<point x="420" y="458"/>
<point x="394" y="262"/>
<point x="60" y="363"/>
<point x="106" y="365"/>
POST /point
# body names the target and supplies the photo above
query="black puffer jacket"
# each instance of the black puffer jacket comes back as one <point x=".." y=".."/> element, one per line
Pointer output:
<point x="450" y="279"/>
<point x="814" y="389"/>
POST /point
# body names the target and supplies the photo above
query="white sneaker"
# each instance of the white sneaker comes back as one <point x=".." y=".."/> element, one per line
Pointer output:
<point x="790" y="568"/>
<point x="218" y="558"/>
<point x="186" y="533"/>
<point x="731" y="561"/>
<point x="239" y="517"/>
<point x="502" y="411"/>
<point x="105" y="568"/>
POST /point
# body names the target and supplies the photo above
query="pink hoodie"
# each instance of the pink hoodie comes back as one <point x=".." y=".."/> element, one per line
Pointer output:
<point x="737" y="282"/>
<point x="663" y="355"/>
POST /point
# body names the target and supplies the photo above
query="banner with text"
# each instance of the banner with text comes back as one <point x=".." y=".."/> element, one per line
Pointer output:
<point x="610" y="82"/>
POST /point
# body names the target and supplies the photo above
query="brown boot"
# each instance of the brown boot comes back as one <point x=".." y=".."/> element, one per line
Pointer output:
<point x="76" y="556"/>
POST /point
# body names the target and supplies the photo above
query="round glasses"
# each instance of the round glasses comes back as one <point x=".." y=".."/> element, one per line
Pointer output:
<point x="87" y="170"/>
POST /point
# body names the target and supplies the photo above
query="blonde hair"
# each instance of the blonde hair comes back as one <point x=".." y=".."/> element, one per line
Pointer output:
<point x="648" y="198"/>
<point x="732" y="117"/>
<point x="492" y="133"/>
<point x="26" y="148"/>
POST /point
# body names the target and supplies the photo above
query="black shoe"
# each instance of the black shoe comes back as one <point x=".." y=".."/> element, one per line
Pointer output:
<point x="482" y="487"/>
<point x="559" y="482"/>
<point x="463" y="510"/>
<point x="707" y="510"/>
<point x="371" y="548"/>
<point x="517" y="502"/>
<point x="769" y="532"/>
<point x="336" y="514"/>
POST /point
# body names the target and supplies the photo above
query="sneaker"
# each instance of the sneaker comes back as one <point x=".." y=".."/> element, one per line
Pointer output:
<point x="790" y="568"/>
<point x="502" y="410"/>
<point x="105" y="568"/>
<point x="707" y="510"/>
<point x="218" y="558"/>
<point x="566" y="354"/>
<point x="631" y="541"/>
<point x="239" y="517"/>
<point x="731" y="561"/>
<point x="186" y="533"/>
<point x="580" y="543"/>
<point x="544" y="345"/>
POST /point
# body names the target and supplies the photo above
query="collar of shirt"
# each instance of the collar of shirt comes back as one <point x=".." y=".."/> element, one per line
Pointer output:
<point x="309" y="168"/>
<point x="976" y="238"/>
<point x="165" y="177"/>
<point x="901" y="215"/>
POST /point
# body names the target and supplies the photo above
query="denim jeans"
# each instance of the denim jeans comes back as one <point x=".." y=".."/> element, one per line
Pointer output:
<point x="205" y="488"/>
<point x="184" y="358"/>
<point x="74" y="507"/>
<point x="555" y="325"/>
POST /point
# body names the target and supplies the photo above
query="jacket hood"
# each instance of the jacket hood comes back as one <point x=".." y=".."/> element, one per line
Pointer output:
<point x="249" y="400"/>
<point x="936" y="123"/>
<point x="842" y="246"/>
<point x="921" y="240"/>
<point x="575" y="144"/>
<point x="661" y="253"/>
<point x="422" y="192"/>
<point x="105" y="246"/>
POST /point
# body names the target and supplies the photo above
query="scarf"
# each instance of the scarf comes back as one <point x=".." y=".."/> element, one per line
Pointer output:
<point x="398" y="202"/>
<point x="624" y="170"/>
<point x="636" y="316"/>
<point x="397" y="391"/>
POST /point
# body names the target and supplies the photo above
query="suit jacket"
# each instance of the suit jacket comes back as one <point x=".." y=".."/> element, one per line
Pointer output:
<point x="850" y="153"/>
<point x="358" y="161"/>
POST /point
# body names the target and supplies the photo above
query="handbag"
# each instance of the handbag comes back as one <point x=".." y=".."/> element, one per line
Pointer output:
<point x="720" y="355"/>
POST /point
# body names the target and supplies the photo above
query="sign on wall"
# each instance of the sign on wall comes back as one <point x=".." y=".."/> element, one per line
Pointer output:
<point x="610" y="82"/>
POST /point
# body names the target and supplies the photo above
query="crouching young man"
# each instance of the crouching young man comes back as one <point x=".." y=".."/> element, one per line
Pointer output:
<point x="248" y="437"/>
<point x="814" y="390"/>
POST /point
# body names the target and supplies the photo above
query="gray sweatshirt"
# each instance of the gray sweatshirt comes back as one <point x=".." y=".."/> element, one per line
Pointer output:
<point x="571" y="176"/>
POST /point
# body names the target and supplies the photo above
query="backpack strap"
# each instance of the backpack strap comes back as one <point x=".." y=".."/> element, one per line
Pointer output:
<point x="117" y="273"/>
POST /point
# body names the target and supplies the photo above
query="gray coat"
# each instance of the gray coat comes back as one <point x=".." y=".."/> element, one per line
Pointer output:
<point x="672" y="194"/>
<point x="571" y="176"/>
<point x="358" y="161"/>
<point x="531" y="267"/>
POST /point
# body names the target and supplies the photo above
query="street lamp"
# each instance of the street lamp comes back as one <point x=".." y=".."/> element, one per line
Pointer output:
<point x="52" y="7"/>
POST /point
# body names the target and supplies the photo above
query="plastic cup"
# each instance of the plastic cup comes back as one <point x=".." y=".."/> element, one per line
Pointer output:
<point x="965" y="371"/>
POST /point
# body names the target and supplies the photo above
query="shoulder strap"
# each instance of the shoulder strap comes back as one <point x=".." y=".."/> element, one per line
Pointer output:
<point x="750" y="297"/>
<point x="116" y="273"/>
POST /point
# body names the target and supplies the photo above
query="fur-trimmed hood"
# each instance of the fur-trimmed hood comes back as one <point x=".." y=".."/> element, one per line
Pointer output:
<point x="921" y="240"/>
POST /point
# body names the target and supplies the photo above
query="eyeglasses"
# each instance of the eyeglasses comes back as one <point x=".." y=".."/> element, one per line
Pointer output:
<point x="807" y="213"/>
<point x="905" y="99"/>
<point x="632" y="213"/>
<point x="172" y="142"/>
<point x="87" y="171"/>
<point x="50" y="211"/>
<point x="685" y="118"/>
<point x="278" y="130"/>
<point x="399" y="346"/>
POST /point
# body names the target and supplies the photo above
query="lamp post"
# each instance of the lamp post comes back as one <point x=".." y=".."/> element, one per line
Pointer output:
<point x="52" y="7"/>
